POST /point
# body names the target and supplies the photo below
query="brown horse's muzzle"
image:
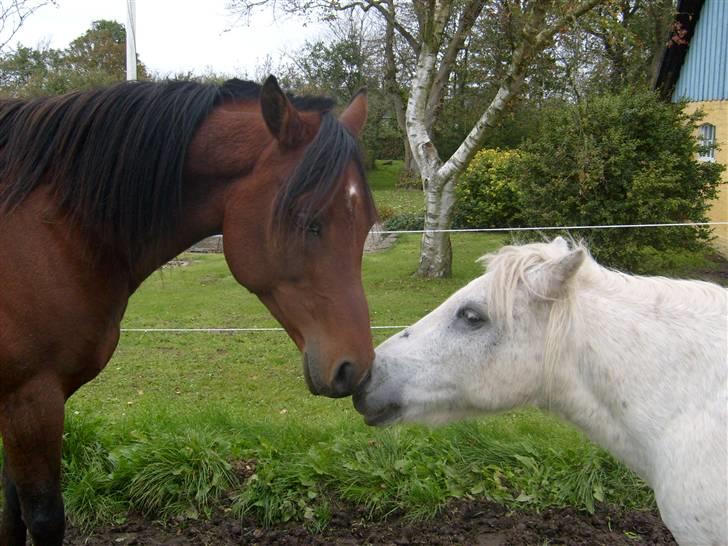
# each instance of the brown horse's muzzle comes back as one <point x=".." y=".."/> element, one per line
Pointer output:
<point x="336" y="362"/>
<point x="346" y="376"/>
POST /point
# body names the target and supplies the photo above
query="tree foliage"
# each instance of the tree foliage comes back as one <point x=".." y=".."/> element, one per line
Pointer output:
<point x="341" y="66"/>
<point x="94" y="59"/>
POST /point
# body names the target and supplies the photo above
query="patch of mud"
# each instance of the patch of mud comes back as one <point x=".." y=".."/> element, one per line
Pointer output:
<point x="177" y="262"/>
<point x="463" y="523"/>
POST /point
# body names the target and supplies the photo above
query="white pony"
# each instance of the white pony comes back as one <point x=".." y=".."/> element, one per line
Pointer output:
<point x="639" y="363"/>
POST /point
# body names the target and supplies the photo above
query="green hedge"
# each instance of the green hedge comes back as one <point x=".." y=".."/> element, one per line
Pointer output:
<point x="612" y="159"/>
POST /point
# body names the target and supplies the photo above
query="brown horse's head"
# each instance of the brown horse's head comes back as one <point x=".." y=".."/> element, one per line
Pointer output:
<point x="294" y="231"/>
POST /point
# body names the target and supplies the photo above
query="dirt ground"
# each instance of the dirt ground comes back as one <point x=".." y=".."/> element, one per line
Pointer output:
<point x="465" y="523"/>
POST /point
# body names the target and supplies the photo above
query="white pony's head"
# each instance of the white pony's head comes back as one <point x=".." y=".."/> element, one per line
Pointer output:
<point x="486" y="348"/>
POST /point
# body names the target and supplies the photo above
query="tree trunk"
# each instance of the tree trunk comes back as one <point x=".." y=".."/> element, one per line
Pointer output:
<point x="410" y="165"/>
<point x="436" y="248"/>
<point x="392" y="89"/>
<point x="438" y="177"/>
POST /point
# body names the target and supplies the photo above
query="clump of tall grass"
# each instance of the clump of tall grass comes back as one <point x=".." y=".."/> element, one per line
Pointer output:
<point x="174" y="474"/>
<point x="184" y="469"/>
<point x="180" y="472"/>
<point x="91" y="498"/>
<point x="415" y="472"/>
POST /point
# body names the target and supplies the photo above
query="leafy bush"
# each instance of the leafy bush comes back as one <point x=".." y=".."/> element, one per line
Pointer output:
<point x="405" y="221"/>
<point x="487" y="192"/>
<point x="621" y="159"/>
<point x="613" y="159"/>
<point x="409" y="180"/>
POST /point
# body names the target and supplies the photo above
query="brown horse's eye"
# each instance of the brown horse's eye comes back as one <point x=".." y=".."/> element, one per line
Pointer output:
<point x="314" y="228"/>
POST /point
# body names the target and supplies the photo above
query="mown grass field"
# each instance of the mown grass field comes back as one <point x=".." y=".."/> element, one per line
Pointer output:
<point x="179" y="421"/>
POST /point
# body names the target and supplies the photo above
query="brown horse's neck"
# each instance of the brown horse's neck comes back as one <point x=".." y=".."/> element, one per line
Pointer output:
<point x="224" y="150"/>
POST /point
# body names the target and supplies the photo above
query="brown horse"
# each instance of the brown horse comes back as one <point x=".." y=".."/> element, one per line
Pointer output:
<point x="99" y="188"/>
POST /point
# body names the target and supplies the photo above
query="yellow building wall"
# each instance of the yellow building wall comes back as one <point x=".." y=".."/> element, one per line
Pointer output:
<point x="716" y="113"/>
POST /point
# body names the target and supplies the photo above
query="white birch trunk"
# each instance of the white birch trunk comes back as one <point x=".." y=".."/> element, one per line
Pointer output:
<point x="435" y="252"/>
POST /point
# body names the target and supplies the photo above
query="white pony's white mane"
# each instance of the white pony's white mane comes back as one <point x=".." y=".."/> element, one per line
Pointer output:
<point x="511" y="267"/>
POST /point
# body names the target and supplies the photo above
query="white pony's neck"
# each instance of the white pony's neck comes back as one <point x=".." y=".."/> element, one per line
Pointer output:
<point x="621" y="357"/>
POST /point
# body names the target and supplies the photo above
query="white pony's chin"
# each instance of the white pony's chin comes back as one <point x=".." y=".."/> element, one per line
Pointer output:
<point x="434" y="416"/>
<point x="429" y="416"/>
<point x="388" y="416"/>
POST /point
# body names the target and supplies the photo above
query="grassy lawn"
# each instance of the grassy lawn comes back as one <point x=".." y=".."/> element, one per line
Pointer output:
<point x="392" y="201"/>
<point x="179" y="371"/>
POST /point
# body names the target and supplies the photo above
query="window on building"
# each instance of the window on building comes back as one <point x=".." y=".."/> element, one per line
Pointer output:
<point x="706" y="140"/>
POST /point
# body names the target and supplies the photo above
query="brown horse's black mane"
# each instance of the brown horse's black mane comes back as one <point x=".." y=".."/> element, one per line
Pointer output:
<point x="114" y="157"/>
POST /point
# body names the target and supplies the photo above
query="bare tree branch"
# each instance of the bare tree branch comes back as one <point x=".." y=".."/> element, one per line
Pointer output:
<point x="13" y="14"/>
<point x="467" y="19"/>
<point x="535" y="39"/>
<point x="543" y="37"/>
<point x="304" y="8"/>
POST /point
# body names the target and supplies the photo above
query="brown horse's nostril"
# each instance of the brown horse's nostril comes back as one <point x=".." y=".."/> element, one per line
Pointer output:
<point x="345" y="379"/>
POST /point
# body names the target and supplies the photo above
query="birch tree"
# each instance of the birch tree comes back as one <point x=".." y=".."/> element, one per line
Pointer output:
<point x="435" y="32"/>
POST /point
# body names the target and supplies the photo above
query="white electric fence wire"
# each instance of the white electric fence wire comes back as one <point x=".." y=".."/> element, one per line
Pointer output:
<point x="228" y="330"/>
<point x="398" y="232"/>
<point x="548" y="228"/>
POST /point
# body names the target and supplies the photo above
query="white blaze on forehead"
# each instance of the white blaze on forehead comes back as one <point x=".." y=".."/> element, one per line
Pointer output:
<point x="352" y="192"/>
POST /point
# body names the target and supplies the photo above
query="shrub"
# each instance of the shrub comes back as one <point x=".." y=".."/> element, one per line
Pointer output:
<point x="487" y="193"/>
<point x="409" y="180"/>
<point x="405" y="221"/>
<point x="621" y="159"/>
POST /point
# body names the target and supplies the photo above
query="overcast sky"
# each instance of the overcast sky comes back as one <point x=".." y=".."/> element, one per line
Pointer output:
<point x="176" y="35"/>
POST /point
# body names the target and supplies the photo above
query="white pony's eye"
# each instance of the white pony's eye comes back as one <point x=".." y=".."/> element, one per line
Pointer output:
<point x="472" y="317"/>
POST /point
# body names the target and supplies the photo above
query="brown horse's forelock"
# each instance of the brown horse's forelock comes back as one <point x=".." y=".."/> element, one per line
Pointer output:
<point x="113" y="157"/>
<point x="312" y="186"/>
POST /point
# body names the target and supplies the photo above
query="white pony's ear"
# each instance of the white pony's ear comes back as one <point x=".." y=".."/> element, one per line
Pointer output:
<point x="560" y="242"/>
<point x="552" y="277"/>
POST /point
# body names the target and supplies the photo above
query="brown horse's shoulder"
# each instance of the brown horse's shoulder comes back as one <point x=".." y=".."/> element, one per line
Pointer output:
<point x="60" y="305"/>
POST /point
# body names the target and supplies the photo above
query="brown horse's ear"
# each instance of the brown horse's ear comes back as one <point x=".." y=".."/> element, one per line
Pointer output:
<point x="280" y="115"/>
<point x="355" y="115"/>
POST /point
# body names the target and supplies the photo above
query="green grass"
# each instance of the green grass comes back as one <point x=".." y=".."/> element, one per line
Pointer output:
<point x="390" y="200"/>
<point x="181" y="371"/>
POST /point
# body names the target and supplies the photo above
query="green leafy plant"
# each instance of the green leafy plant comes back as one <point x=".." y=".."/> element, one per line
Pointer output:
<point x="405" y="221"/>
<point x="487" y="193"/>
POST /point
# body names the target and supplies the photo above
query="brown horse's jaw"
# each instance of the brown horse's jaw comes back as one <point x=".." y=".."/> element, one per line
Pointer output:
<point x="307" y="375"/>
